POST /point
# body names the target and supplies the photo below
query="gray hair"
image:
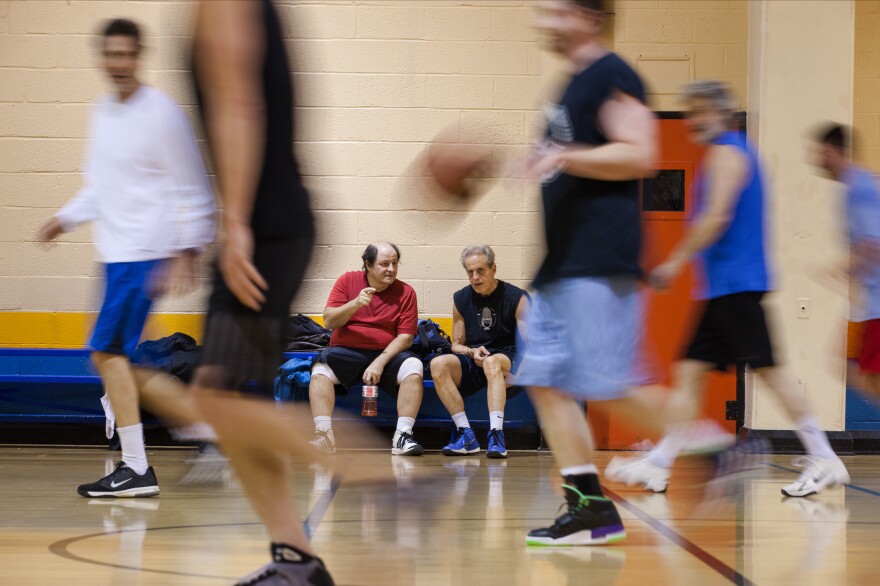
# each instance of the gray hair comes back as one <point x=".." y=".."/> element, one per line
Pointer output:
<point x="716" y="92"/>
<point x="483" y="249"/>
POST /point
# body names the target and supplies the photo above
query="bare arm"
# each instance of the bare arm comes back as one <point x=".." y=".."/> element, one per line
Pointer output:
<point x="522" y="309"/>
<point x="630" y="153"/>
<point x="727" y="171"/>
<point x="459" y="337"/>
<point x="229" y="51"/>
<point x="399" y="344"/>
<point x="336" y="317"/>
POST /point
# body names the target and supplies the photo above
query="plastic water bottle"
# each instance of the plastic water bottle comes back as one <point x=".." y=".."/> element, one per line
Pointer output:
<point x="370" y="396"/>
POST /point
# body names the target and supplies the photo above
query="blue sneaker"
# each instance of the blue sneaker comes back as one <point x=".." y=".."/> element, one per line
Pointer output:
<point x="497" y="448"/>
<point x="464" y="442"/>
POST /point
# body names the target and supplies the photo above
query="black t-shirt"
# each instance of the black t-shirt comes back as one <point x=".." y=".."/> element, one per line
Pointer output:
<point x="490" y="321"/>
<point x="592" y="227"/>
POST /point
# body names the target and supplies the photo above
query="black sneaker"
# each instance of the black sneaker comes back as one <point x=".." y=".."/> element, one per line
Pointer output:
<point x="590" y="520"/>
<point x="312" y="573"/>
<point x="404" y="444"/>
<point x="122" y="482"/>
<point x="289" y="567"/>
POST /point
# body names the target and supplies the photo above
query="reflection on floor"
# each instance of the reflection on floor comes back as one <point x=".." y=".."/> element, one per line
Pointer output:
<point x="450" y="521"/>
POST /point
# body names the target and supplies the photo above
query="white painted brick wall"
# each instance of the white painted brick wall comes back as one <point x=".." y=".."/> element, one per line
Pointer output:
<point x="374" y="81"/>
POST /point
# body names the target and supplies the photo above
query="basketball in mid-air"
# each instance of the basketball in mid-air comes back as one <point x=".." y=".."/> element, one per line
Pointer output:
<point x="450" y="166"/>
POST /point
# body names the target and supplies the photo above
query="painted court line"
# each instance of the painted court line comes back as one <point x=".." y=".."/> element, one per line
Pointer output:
<point x="692" y="548"/>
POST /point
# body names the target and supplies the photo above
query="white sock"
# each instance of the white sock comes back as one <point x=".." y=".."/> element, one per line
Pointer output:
<point x="576" y="470"/>
<point x="496" y="420"/>
<point x="195" y="432"/>
<point x="461" y="420"/>
<point x="323" y="423"/>
<point x="814" y="438"/>
<point x="665" y="452"/>
<point x="405" y="424"/>
<point x="134" y="452"/>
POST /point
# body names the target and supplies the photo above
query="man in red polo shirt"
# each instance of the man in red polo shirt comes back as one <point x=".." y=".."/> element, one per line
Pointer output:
<point x="373" y="316"/>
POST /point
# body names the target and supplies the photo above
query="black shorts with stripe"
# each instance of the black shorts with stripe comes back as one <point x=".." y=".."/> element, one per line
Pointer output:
<point x="242" y="345"/>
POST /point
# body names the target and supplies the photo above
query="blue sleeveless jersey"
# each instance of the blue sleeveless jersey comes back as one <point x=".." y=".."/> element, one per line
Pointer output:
<point x="737" y="261"/>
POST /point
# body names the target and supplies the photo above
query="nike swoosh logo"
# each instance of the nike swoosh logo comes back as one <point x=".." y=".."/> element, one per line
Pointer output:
<point x="118" y="484"/>
<point x="291" y="556"/>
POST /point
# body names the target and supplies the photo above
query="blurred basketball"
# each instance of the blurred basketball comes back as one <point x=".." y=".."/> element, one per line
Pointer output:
<point x="450" y="166"/>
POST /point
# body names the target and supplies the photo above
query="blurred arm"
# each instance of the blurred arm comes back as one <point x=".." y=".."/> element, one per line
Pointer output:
<point x="83" y="207"/>
<point x="191" y="197"/>
<point x="631" y="151"/>
<point x="229" y="50"/>
<point x="727" y="172"/>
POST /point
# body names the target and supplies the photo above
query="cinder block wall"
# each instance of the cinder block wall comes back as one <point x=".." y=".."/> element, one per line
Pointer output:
<point x="711" y="33"/>
<point x="374" y="81"/>
<point x="866" y="99"/>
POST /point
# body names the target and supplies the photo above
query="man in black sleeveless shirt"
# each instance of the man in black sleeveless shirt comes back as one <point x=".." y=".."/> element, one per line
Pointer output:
<point x="583" y="331"/>
<point x="484" y="332"/>
<point x="243" y="83"/>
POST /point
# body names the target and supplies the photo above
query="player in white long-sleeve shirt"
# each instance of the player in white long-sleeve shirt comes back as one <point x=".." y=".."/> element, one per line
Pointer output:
<point x="150" y="203"/>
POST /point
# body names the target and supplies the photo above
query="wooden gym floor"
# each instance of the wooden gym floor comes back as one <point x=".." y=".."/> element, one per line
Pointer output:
<point x="469" y="530"/>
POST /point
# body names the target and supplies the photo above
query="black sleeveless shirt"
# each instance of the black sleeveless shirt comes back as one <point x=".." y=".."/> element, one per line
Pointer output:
<point x="490" y="321"/>
<point x="592" y="227"/>
<point x="281" y="207"/>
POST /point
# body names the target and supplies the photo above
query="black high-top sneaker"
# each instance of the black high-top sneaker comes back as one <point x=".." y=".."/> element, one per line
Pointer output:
<point x="289" y="567"/>
<point x="590" y="520"/>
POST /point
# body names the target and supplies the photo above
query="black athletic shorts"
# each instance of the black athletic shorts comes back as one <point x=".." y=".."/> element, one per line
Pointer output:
<point x="733" y="329"/>
<point x="349" y="364"/>
<point x="240" y="344"/>
<point x="473" y="378"/>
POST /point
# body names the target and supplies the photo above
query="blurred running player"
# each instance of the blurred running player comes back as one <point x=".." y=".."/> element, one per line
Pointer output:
<point x="583" y="332"/>
<point x="728" y="239"/>
<point x="243" y="83"/>
<point x="862" y="213"/>
<point x="152" y="211"/>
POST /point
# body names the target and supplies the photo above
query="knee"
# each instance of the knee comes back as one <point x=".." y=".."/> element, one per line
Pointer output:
<point x="200" y="396"/>
<point x="322" y="379"/>
<point x="440" y="366"/>
<point x="412" y="371"/>
<point x="493" y="366"/>
<point x="99" y="358"/>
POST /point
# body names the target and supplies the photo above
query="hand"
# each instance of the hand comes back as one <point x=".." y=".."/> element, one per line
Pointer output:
<point x="663" y="275"/>
<point x="480" y="354"/>
<point x="51" y="230"/>
<point x="176" y="276"/>
<point x="544" y="161"/>
<point x="365" y="297"/>
<point x="237" y="267"/>
<point x="374" y="372"/>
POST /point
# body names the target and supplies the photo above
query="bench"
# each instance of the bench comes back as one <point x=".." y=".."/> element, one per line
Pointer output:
<point x="53" y="385"/>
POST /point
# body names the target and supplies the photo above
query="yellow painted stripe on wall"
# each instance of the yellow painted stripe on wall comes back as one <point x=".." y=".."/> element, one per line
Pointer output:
<point x="71" y="330"/>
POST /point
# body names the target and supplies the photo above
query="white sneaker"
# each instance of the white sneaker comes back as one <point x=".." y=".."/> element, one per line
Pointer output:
<point x="632" y="471"/>
<point x="818" y="474"/>
<point x="404" y="444"/>
<point x="706" y="437"/>
<point x="324" y="442"/>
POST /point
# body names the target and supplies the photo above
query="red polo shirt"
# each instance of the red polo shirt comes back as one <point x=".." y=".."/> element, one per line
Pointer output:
<point x="392" y="312"/>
